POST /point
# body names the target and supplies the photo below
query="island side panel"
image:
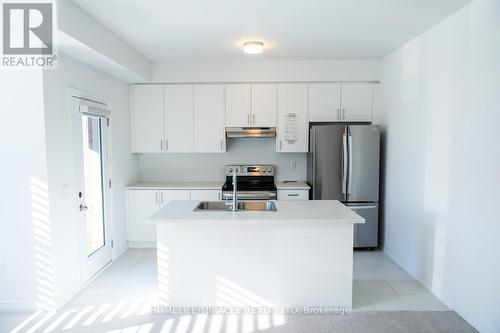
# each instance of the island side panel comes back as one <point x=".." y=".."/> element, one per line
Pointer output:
<point x="255" y="264"/>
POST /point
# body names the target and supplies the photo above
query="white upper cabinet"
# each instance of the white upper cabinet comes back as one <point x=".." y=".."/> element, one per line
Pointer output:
<point x="324" y="102"/>
<point x="178" y="118"/>
<point x="209" y="118"/>
<point x="357" y="100"/>
<point x="147" y="118"/>
<point x="293" y="125"/>
<point x="264" y="105"/>
<point x="238" y="105"/>
<point x="251" y="105"/>
<point x="349" y="102"/>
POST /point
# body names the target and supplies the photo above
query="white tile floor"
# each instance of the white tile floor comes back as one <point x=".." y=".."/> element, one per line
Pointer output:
<point x="120" y="298"/>
<point x="381" y="285"/>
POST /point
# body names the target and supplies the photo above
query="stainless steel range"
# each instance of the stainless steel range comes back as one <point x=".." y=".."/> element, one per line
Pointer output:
<point x="254" y="182"/>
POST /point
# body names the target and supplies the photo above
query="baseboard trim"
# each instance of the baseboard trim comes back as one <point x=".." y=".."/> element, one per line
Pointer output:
<point x="141" y="245"/>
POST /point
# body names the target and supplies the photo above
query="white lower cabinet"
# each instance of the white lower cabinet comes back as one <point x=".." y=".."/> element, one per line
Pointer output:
<point x="293" y="194"/>
<point x="141" y="205"/>
<point x="206" y="195"/>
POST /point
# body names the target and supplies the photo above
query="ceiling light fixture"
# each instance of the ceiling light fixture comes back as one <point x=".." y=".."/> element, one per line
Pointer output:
<point x="253" y="47"/>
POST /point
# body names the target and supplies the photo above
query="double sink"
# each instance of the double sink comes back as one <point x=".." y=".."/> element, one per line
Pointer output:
<point x="265" y="206"/>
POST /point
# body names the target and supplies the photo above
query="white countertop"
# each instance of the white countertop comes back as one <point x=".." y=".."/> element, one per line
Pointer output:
<point x="292" y="185"/>
<point x="215" y="185"/>
<point x="330" y="211"/>
<point x="177" y="185"/>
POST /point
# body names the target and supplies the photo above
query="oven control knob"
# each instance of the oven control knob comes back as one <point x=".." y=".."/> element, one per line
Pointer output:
<point x="230" y="170"/>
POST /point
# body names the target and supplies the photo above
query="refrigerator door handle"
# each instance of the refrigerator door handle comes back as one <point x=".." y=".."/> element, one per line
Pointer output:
<point x="344" y="163"/>
<point x="349" y="182"/>
<point x="361" y="207"/>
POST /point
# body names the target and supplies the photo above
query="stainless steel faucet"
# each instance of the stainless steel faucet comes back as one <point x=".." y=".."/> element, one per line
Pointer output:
<point x="235" y="191"/>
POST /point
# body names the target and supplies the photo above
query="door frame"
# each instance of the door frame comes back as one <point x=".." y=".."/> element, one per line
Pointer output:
<point x="110" y="224"/>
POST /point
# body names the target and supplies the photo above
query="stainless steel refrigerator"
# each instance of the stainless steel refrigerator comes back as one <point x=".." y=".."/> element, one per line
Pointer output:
<point x="343" y="164"/>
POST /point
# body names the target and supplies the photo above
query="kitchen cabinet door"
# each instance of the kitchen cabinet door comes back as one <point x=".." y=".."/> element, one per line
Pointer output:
<point x="206" y="195"/>
<point x="179" y="118"/>
<point x="209" y="118"/>
<point x="324" y="102"/>
<point x="292" y="132"/>
<point x="168" y="195"/>
<point x="238" y="105"/>
<point x="264" y="105"/>
<point x="147" y="118"/>
<point x="357" y="100"/>
<point x="141" y="205"/>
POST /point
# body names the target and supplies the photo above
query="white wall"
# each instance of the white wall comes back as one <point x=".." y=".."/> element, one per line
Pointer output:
<point x="124" y="168"/>
<point x="23" y="194"/>
<point x="85" y="38"/>
<point x="38" y="254"/>
<point x="210" y="167"/>
<point x="238" y="71"/>
<point x="441" y="112"/>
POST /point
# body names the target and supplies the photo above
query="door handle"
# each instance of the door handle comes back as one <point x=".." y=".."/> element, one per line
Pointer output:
<point x="349" y="182"/>
<point x="344" y="163"/>
<point x="83" y="208"/>
<point x="361" y="207"/>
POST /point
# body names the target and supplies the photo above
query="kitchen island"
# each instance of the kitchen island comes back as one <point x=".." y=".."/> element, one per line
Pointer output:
<point x="300" y="255"/>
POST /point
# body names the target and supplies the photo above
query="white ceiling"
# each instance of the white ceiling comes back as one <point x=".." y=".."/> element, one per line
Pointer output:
<point x="213" y="30"/>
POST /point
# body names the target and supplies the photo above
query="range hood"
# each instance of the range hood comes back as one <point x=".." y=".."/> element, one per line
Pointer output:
<point x="251" y="132"/>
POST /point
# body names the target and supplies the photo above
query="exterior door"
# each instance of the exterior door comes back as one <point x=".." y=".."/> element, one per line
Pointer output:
<point x="328" y="148"/>
<point x="364" y="147"/>
<point x="91" y="146"/>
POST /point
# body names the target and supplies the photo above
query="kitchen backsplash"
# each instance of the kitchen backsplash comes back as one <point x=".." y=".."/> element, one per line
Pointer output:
<point x="210" y="167"/>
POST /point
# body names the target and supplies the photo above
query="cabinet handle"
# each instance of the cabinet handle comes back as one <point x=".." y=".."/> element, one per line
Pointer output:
<point x="253" y="119"/>
<point x="248" y="119"/>
<point x="280" y="145"/>
<point x="221" y="145"/>
<point x="293" y="194"/>
<point x="161" y="145"/>
<point x="161" y="197"/>
<point x="166" y="144"/>
<point x="218" y="196"/>
<point x="156" y="197"/>
<point x="338" y="114"/>
<point x="343" y="113"/>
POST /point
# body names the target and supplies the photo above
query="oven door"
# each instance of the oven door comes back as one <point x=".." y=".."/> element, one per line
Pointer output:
<point x="250" y="195"/>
